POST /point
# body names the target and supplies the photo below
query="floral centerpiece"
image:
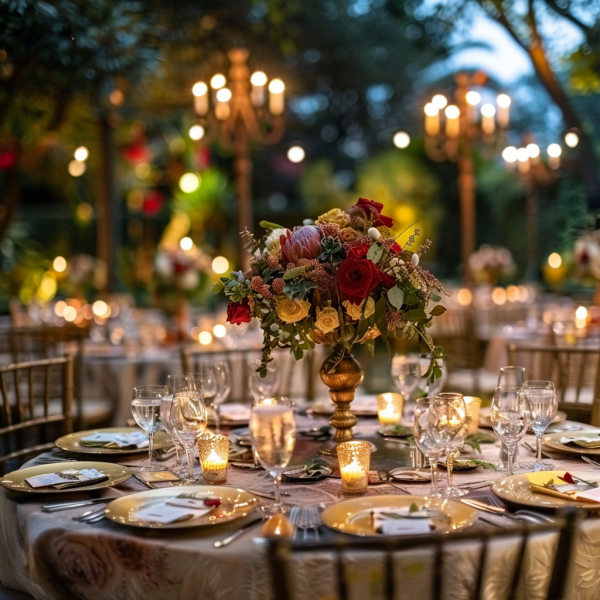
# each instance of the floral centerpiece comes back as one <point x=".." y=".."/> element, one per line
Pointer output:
<point x="586" y="256"/>
<point x="341" y="280"/>
<point x="490" y="264"/>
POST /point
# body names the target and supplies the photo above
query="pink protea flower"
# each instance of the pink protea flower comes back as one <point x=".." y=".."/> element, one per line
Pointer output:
<point x="304" y="242"/>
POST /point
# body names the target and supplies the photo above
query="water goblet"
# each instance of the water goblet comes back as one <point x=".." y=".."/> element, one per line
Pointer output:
<point x="543" y="405"/>
<point x="510" y="377"/>
<point x="406" y="374"/>
<point x="437" y="420"/>
<point x="434" y="387"/>
<point x="223" y="390"/>
<point x="188" y="419"/>
<point x="273" y="435"/>
<point x="511" y="417"/>
<point x="165" y="420"/>
<point x="145" y="407"/>
<point x="263" y="387"/>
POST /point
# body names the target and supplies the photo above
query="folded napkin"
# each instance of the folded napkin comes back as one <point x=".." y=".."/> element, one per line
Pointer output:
<point x="551" y="486"/>
<point x="135" y="439"/>
<point x="177" y="508"/>
<point x="235" y="412"/>
<point x="407" y="475"/>
<point x="401" y="521"/>
<point x="67" y="479"/>
<point x="590" y="440"/>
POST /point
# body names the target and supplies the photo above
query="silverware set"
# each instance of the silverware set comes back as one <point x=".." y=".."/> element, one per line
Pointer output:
<point x="236" y="534"/>
<point x="305" y="519"/>
<point x="528" y="516"/>
<point x="49" y="508"/>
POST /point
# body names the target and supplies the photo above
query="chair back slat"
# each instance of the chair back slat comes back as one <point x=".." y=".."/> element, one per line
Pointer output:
<point x="445" y="550"/>
<point x="28" y="415"/>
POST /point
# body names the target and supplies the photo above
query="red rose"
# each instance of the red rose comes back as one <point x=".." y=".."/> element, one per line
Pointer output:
<point x="357" y="277"/>
<point x="239" y="312"/>
<point x="374" y="209"/>
<point x="396" y="247"/>
<point x="359" y="250"/>
<point x="387" y="281"/>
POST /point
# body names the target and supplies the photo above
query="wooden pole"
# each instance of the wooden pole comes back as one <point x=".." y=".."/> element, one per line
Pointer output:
<point x="243" y="184"/>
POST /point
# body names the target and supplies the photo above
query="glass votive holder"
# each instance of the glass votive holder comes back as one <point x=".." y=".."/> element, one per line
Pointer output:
<point x="389" y="408"/>
<point x="213" y="451"/>
<point x="473" y="405"/>
<point x="354" y="458"/>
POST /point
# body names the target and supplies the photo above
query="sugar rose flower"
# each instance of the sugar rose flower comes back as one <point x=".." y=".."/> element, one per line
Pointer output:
<point x="335" y="215"/>
<point x="349" y="235"/>
<point x="357" y="278"/>
<point x="292" y="311"/>
<point x="355" y="311"/>
<point x="327" y="319"/>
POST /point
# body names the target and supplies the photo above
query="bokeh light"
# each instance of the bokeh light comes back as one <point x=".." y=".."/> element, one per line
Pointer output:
<point x="59" y="264"/>
<point x="205" y="338"/>
<point x="258" y="78"/>
<point x="217" y="82"/>
<point x="439" y="101"/>
<point x="296" y="154"/>
<point x="76" y="168"/>
<point x="555" y="260"/>
<point x="186" y="243"/>
<point x="219" y="331"/>
<point x="196" y="132"/>
<point x="189" y="182"/>
<point x="401" y="139"/>
<point x="81" y="153"/>
<point x="571" y="139"/>
<point x="220" y="265"/>
<point x="473" y="98"/>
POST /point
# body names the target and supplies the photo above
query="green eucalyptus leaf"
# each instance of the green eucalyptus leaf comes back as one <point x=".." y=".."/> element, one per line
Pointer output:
<point x="396" y="297"/>
<point x="375" y="253"/>
<point x="217" y="288"/>
<point x="269" y="225"/>
<point x="293" y="273"/>
<point x="438" y="310"/>
<point x="415" y="315"/>
<point x="435" y="297"/>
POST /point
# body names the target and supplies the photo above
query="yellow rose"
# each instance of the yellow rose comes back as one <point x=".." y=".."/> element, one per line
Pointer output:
<point x="355" y="311"/>
<point x="335" y="215"/>
<point x="349" y="235"/>
<point x="292" y="311"/>
<point x="327" y="319"/>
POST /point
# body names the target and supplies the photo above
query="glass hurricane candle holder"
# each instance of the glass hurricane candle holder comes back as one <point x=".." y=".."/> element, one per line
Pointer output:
<point x="389" y="408"/>
<point x="214" y="455"/>
<point x="354" y="458"/>
<point x="473" y="407"/>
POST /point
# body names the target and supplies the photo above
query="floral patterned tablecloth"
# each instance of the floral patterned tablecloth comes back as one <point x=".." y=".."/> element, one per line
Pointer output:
<point x="52" y="557"/>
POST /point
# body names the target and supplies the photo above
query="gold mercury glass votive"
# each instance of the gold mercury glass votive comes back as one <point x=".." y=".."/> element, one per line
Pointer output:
<point x="214" y="455"/>
<point x="389" y="408"/>
<point x="473" y="407"/>
<point x="354" y="458"/>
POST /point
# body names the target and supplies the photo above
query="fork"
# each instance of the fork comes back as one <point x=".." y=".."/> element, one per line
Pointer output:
<point x="310" y="518"/>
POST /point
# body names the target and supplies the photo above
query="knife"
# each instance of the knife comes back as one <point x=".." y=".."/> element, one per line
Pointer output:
<point x="236" y="534"/>
<point x="69" y="505"/>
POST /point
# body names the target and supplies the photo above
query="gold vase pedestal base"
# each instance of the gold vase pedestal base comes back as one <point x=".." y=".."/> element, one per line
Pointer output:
<point x="342" y="374"/>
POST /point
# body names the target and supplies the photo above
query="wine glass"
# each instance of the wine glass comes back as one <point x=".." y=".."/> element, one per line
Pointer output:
<point x="263" y="387"/>
<point x="543" y="404"/>
<point x="406" y="373"/>
<point x="165" y="419"/>
<point x="511" y="417"/>
<point x="145" y="407"/>
<point x="273" y="435"/>
<point x="437" y="420"/>
<point x="223" y="389"/>
<point x="207" y="381"/>
<point x="455" y="444"/>
<point x="435" y="387"/>
<point x="510" y="377"/>
<point x="188" y="419"/>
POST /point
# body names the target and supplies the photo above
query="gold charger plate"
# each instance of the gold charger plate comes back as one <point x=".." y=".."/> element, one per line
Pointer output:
<point x="552" y="440"/>
<point x="485" y="417"/>
<point x="353" y="515"/>
<point x="236" y="503"/>
<point x="517" y="489"/>
<point x="71" y="442"/>
<point x="16" y="480"/>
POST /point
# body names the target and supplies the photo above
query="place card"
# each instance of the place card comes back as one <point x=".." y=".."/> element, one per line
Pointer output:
<point x="135" y="439"/>
<point x="157" y="476"/>
<point x="591" y="495"/>
<point x="173" y="510"/>
<point x="400" y="521"/>
<point x="67" y="479"/>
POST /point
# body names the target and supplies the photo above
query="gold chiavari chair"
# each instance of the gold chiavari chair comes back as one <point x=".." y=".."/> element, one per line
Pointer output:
<point x="472" y="564"/>
<point x="35" y="406"/>
<point x="575" y="373"/>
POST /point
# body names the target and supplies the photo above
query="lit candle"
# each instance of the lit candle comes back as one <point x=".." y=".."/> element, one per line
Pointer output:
<point x="509" y="154"/>
<point x="523" y="158"/>
<point x="452" y="113"/>
<point x="389" y="408"/>
<point x="214" y="455"/>
<point x="257" y="94"/>
<point x="354" y="458"/>
<point x="554" y="152"/>
<point x="222" y="109"/>
<point x="276" y="102"/>
<point x="488" y="123"/>
<point x="473" y="405"/>
<point x="432" y="119"/>
<point x="200" y="91"/>
<point x="503" y="101"/>
<point x="473" y="98"/>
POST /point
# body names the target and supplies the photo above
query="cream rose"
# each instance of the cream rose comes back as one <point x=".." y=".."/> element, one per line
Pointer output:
<point x="355" y="311"/>
<point x="327" y="319"/>
<point x="292" y="311"/>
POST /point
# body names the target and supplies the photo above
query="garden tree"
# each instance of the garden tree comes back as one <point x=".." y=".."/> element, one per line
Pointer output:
<point x="524" y="22"/>
<point x="53" y="56"/>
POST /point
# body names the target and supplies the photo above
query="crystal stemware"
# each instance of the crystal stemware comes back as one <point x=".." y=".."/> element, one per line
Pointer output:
<point x="436" y="386"/>
<point x="406" y="374"/>
<point x="273" y="435"/>
<point x="263" y="387"/>
<point x="437" y="420"/>
<point x="145" y="407"/>
<point x="511" y="377"/>
<point x="511" y="417"/>
<point x="543" y="404"/>
<point x="165" y="420"/>
<point x="455" y="443"/>
<point x="188" y="419"/>
<point x="223" y="389"/>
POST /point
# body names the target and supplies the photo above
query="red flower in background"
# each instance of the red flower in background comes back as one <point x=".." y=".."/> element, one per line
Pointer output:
<point x="374" y="209"/>
<point x="357" y="277"/>
<point x="359" y="250"/>
<point x="153" y="202"/>
<point x="239" y="312"/>
<point x="7" y="160"/>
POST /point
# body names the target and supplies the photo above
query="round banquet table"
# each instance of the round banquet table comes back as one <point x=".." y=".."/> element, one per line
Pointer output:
<point x="52" y="557"/>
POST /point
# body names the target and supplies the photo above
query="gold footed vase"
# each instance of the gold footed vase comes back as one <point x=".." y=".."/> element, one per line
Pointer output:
<point x="342" y="374"/>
